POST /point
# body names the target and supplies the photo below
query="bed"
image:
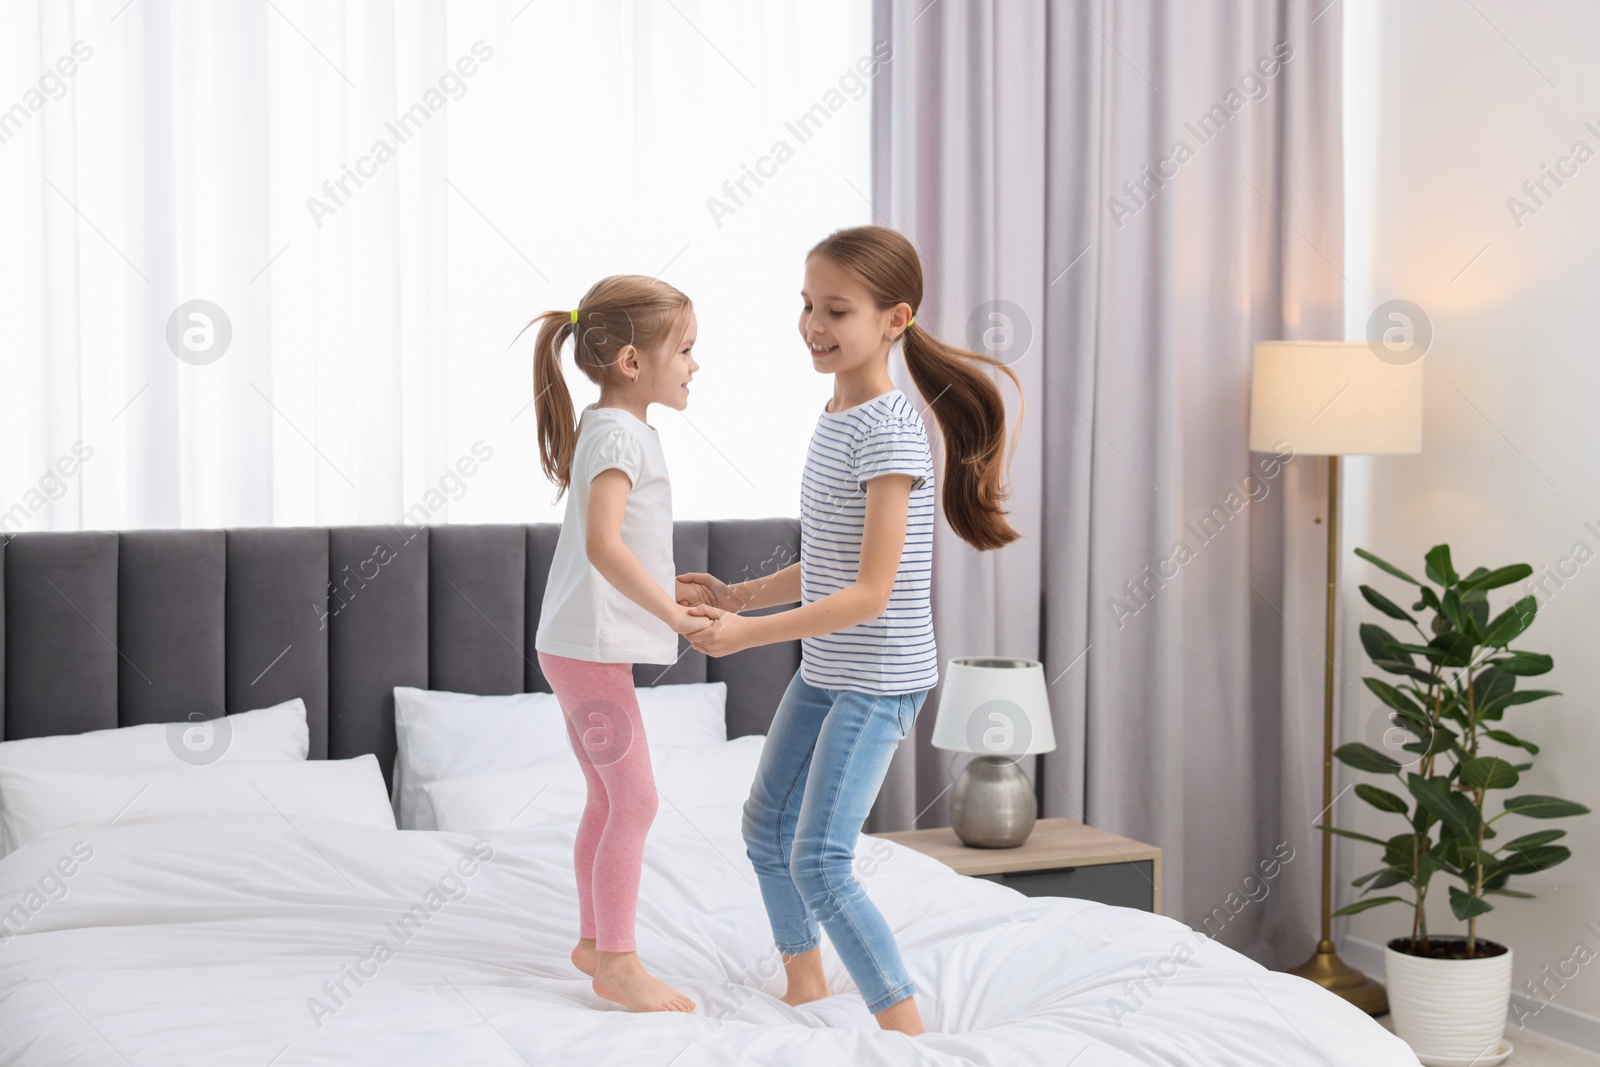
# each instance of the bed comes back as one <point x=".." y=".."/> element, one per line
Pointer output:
<point x="252" y="939"/>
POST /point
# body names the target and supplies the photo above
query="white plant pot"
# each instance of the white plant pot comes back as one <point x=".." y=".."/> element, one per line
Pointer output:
<point x="1451" y="1012"/>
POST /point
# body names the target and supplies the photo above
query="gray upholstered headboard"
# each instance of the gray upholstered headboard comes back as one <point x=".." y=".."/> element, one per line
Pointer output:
<point x="117" y="628"/>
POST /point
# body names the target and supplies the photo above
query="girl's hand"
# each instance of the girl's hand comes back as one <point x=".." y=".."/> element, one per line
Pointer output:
<point x="707" y="589"/>
<point x="685" y="622"/>
<point x="726" y="634"/>
<point x="691" y="593"/>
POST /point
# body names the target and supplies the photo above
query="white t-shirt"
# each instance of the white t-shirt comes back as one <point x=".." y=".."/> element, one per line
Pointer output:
<point x="894" y="653"/>
<point x="583" y="616"/>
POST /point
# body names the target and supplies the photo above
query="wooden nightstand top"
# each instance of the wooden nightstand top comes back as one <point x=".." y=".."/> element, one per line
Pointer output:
<point x="1054" y="844"/>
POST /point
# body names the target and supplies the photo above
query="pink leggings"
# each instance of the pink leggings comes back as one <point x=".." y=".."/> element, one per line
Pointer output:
<point x="602" y="714"/>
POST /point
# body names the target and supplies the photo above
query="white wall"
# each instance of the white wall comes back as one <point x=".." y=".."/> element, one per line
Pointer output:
<point x="1451" y="107"/>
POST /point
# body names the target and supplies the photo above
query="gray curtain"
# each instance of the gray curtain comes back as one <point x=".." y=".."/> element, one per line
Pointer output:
<point x="1119" y="198"/>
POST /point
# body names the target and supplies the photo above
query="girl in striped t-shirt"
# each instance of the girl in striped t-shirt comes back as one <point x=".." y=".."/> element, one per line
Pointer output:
<point x="866" y="631"/>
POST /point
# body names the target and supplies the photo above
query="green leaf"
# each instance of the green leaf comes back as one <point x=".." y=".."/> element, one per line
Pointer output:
<point x="1480" y="579"/>
<point x="1536" y="806"/>
<point x="1404" y="667"/>
<point x="1450" y="649"/>
<point x="1417" y="650"/>
<point x="1511" y="739"/>
<point x="1519" y="894"/>
<point x="1438" y="568"/>
<point x="1387" y="568"/>
<point x="1525" y="663"/>
<point x="1382" y="799"/>
<point x="1395" y="698"/>
<point x="1477" y="608"/>
<point x="1440" y="863"/>
<point x="1351" y="834"/>
<point x="1529" y="860"/>
<point x="1488" y="772"/>
<point x="1365" y="758"/>
<point x="1385" y="605"/>
<point x="1426" y="598"/>
<point x="1398" y="851"/>
<point x="1376" y="640"/>
<point x="1369" y="876"/>
<point x="1465" y="906"/>
<point x="1509" y="624"/>
<point x="1451" y="609"/>
<point x="1468" y="814"/>
<point x="1490" y="689"/>
<point x="1385" y="879"/>
<point x="1528" y="696"/>
<point x="1457" y="649"/>
<point x="1533" y="840"/>
<point x="1371" y="902"/>
<point x="1434" y="794"/>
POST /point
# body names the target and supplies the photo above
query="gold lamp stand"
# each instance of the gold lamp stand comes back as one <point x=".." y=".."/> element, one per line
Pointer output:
<point x="1325" y="967"/>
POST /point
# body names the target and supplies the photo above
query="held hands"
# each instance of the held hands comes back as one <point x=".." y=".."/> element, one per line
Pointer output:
<point x="715" y="605"/>
<point x="691" y="593"/>
<point x="724" y="633"/>
<point x="684" y="621"/>
<point x="697" y="588"/>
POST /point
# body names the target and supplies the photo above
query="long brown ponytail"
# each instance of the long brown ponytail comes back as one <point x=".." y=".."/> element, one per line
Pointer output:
<point x="965" y="402"/>
<point x="622" y="310"/>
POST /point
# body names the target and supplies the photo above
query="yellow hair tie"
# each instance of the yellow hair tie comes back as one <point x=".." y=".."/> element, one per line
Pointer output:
<point x="574" y="316"/>
<point x="911" y="322"/>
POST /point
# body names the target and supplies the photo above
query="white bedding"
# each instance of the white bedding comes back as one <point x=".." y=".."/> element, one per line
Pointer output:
<point x="205" y="942"/>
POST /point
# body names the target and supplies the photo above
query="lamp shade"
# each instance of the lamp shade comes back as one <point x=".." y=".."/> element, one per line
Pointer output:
<point x="1333" y="398"/>
<point x="994" y="707"/>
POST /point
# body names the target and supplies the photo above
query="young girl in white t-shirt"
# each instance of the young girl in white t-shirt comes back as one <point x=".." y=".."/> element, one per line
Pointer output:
<point x="612" y="600"/>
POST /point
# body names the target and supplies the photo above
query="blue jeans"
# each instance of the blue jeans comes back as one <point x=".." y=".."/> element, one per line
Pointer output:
<point x="824" y="761"/>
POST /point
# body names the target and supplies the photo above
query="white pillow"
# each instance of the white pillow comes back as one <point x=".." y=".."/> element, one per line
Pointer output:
<point x="37" y="802"/>
<point x="685" y="778"/>
<point x="275" y="733"/>
<point x="441" y="735"/>
<point x="691" y="715"/>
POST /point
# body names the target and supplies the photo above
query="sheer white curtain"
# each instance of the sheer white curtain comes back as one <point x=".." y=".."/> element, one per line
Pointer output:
<point x="371" y="200"/>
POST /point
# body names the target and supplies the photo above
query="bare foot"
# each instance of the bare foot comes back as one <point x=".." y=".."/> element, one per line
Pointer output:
<point x="796" y="997"/>
<point x="620" y="977"/>
<point x="583" y="957"/>
<point x="902" y="1016"/>
<point x="806" y="980"/>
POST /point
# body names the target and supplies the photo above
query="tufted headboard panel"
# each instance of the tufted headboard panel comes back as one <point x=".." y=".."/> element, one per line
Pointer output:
<point x="116" y="628"/>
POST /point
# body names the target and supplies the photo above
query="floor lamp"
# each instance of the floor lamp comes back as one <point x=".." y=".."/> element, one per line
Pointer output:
<point x="1333" y="398"/>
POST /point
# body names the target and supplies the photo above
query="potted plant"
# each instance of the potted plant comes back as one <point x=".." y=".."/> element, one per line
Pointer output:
<point x="1453" y="683"/>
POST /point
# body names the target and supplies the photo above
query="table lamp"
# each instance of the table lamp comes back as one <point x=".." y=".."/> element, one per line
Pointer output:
<point x="1334" y="398"/>
<point x="998" y="709"/>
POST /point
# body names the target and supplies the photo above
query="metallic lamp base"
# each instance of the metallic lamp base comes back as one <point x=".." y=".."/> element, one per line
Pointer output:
<point x="1333" y="974"/>
<point x="992" y="804"/>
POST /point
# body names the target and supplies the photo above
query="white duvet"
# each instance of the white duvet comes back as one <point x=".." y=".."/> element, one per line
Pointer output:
<point x="256" y="942"/>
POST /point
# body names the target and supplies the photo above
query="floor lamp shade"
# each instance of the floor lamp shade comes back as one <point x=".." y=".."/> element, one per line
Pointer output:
<point x="1333" y="398"/>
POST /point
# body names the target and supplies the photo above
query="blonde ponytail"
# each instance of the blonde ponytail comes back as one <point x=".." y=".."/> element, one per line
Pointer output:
<point x="552" y="400"/>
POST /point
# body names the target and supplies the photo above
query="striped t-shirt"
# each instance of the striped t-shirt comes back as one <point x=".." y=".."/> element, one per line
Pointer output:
<point x="895" y="652"/>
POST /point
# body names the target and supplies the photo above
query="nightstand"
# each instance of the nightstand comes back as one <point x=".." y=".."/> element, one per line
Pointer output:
<point x="1061" y="858"/>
